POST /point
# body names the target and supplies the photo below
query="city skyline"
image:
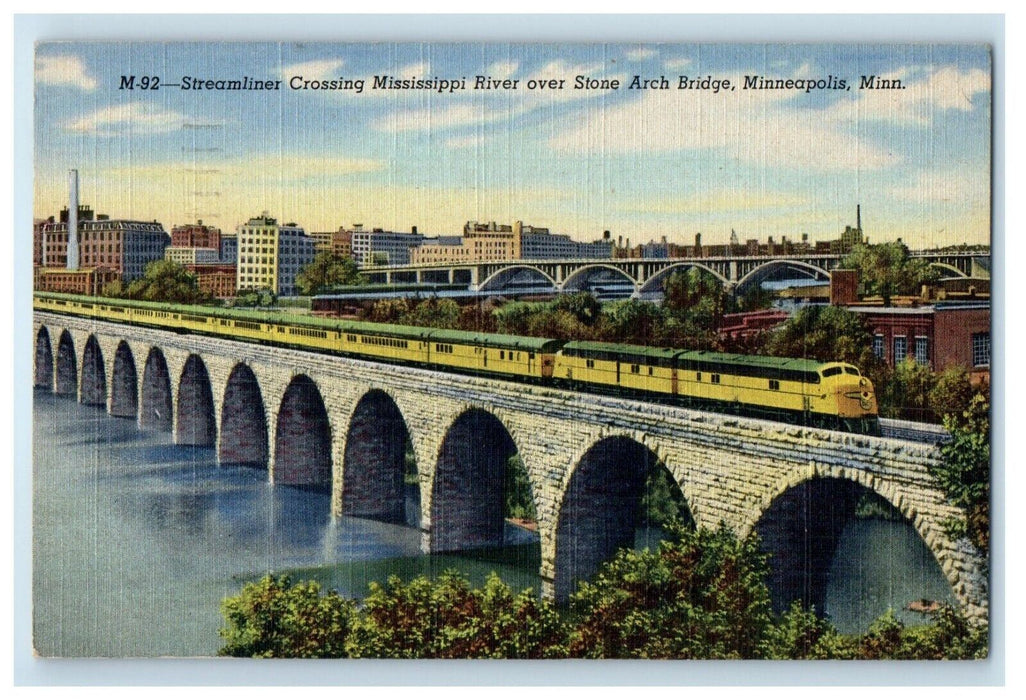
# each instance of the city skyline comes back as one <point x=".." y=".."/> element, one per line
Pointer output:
<point x="640" y="163"/>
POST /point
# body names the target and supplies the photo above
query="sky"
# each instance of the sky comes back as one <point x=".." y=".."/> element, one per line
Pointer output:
<point x="641" y="163"/>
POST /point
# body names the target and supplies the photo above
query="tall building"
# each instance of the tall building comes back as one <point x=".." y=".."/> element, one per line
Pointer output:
<point x="196" y="236"/>
<point x="192" y="256"/>
<point x="379" y="247"/>
<point x="499" y="242"/>
<point x="336" y="242"/>
<point x="229" y="248"/>
<point x="121" y="245"/>
<point x="271" y="255"/>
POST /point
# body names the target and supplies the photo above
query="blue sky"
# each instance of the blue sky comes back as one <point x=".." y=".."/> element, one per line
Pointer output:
<point x="642" y="164"/>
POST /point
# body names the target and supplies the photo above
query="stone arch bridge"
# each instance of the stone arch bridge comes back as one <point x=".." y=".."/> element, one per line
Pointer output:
<point x="314" y="419"/>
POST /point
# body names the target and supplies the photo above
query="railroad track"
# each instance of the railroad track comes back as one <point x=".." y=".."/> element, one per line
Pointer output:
<point x="917" y="432"/>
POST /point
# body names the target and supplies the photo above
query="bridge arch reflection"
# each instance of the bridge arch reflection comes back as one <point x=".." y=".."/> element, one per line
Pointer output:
<point x="124" y="396"/>
<point x="243" y="439"/>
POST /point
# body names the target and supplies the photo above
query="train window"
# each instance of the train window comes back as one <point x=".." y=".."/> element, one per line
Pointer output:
<point x="774" y="384"/>
<point x="715" y="379"/>
<point x="502" y="354"/>
<point x="635" y="369"/>
<point x="530" y="356"/>
<point x="650" y="371"/>
<point x="698" y="376"/>
<point x="851" y="370"/>
<point x="590" y="364"/>
<point x="831" y="371"/>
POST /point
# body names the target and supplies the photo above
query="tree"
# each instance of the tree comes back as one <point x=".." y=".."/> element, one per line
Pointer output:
<point x="260" y="298"/>
<point x="447" y="619"/>
<point x="167" y="281"/>
<point x="433" y="313"/>
<point x="583" y="306"/>
<point x="632" y="321"/>
<point x="702" y="595"/>
<point x="514" y="318"/>
<point x="388" y="310"/>
<point x="695" y="296"/>
<point x="517" y="490"/>
<point x="949" y="636"/>
<point x="755" y="298"/>
<point x="964" y="473"/>
<point x="326" y="271"/>
<point x="887" y="269"/>
<point x="952" y="392"/>
<point x="274" y="618"/>
<point x="801" y="634"/>
<point x="825" y="333"/>
<point x="907" y="395"/>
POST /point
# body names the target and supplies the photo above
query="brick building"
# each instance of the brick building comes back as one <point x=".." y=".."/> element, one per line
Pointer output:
<point x="939" y="335"/>
<point x="218" y="280"/>
<point x="196" y="235"/>
<point x="122" y="245"/>
<point x="89" y="281"/>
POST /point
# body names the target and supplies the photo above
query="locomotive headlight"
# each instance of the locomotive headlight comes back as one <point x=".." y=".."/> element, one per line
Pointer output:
<point x="863" y="382"/>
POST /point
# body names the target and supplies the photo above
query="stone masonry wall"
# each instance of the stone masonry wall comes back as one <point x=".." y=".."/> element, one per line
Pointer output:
<point x="729" y="469"/>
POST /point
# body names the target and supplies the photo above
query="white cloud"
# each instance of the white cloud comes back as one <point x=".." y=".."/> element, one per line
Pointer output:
<point x="414" y="70"/>
<point x="640" y="54"/>
<point x="64" y="70"/>
<point x="452" y="116"/>
<point x="750" y="126"/>
<point x="472" y="141"/>
<point x="128" y="118"/>
<point x="676" y="63"/>
<point x="321" y="69"/>
<point x="720" y="200"/>
<point x="946" y="88"/>
<point x="963" y="185"/>
<point x="462" y="114"/>
<point x="503" y="69"/>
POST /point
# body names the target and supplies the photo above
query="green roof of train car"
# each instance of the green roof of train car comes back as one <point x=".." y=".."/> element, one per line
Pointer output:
<point x="496" y="340"/>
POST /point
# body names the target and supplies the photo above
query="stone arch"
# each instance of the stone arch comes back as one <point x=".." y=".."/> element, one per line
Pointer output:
<point x="66" y="381"/>
<point x="244" y="434"/>
<point x="598" y="512"/>
<point x="124" y="393"/>
<point x="374" y="462"/>
<point x="302" y="436"/>
<point x="800" y="522"/>
<point x="467" y="509"/>
<point x="760" y="273"/>
<point x="94" y="376"/>
<point x="500" y="278"/>
<point x="577" y="280"/>
<point x="195" y="424"/>
<point x="155" y="410"/>
<point x="44" y="359"/>
<point x="654" y="283"/>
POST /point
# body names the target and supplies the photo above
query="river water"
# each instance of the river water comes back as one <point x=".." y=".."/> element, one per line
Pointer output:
<point x="136" y="541"/>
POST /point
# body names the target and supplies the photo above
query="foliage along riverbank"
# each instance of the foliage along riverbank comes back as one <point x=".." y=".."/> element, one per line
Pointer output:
<point x="700" y="595"/>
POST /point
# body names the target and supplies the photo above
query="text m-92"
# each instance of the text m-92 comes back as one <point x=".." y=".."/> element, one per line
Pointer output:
<point x="144" y="82"/>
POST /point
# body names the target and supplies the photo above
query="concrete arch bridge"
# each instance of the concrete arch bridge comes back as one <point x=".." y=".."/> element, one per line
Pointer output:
<point x="641" y="276"/>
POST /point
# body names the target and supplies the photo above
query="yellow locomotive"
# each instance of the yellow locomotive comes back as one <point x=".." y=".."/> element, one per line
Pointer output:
<point x="831" y="395"/>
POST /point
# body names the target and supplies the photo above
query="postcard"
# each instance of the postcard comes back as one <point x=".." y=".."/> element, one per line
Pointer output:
<point x="511" y="350"/>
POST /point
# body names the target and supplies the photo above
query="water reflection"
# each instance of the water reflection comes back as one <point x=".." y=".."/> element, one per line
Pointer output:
<point x="137" y="541"/>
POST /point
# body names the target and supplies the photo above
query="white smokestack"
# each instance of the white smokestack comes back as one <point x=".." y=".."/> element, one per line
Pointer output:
<point x="73" y="221"/>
